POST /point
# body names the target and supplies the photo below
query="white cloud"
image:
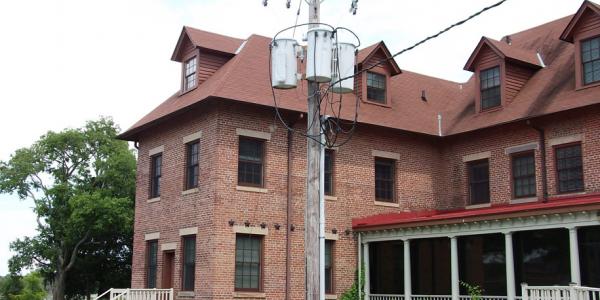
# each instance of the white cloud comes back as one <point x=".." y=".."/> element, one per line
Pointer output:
<point x="66" y="61"/>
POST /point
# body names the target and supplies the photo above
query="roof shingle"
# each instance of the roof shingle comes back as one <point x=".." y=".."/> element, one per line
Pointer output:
<point x="245" y="78"/>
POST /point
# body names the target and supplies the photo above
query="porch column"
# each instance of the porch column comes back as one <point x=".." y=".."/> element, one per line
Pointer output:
<point x="366" y="260"/>
<point x="574" y="253"/>
<point x="454" y="267"/>
<point x="510" y="266"/>
<point x="407" y="274"/>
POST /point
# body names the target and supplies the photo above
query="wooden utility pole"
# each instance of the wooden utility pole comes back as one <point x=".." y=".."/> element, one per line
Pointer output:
<point x="313" y="188"/>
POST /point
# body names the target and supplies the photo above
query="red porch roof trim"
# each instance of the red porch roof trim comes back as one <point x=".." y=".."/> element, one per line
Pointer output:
<point x="449" y="216"/>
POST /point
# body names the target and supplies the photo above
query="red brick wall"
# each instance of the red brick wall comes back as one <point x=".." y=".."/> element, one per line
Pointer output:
<point x="430" y="175"/>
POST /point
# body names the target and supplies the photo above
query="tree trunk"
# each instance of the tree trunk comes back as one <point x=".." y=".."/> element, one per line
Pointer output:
<point x="58" y="290"/>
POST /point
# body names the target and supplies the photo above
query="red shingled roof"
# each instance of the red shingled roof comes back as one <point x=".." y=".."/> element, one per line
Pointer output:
<point x="366" y="53"/>
<point x="245" y="78"/>
<point x="549" y="90"/>
<point x="207" y="40"/>
<point x="567" y="34"/>
<point x="417" y="218"/>
<point x="505" y="51"/>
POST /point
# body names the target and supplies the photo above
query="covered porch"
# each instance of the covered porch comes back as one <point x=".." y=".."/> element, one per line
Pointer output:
<point x="427" y="257"/>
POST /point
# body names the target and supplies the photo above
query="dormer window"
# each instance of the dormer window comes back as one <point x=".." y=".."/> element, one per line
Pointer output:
<point x="590" y="59"/>
<point x="490" y="87"/>
<point x="376" y="87"/>
<point x="189" y="80"/>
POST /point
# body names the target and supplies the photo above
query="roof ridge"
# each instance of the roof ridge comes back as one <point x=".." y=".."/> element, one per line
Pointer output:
<point x="234" y="62"/>
<point x="433" y="77"/>
<point x="210" y="32"/>
<point x="538" y="26"/>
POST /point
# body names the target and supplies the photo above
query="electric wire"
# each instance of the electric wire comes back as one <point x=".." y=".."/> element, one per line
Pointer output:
<point x="297" y="15"/>
<point x="461" y="22"/>
<point x="332" y="126"/>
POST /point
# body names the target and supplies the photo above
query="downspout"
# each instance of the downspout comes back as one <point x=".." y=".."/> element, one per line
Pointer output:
<point x="359" y="267"/>
<point x="542" y="141"/>
<point x="288" y="207"/>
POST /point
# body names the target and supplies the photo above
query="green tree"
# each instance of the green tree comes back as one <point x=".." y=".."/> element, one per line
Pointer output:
<point x="28" y="287"/>
<point x="82" y="182"/>
<point x="32" y="288"/>
<point x="10" y="285"/>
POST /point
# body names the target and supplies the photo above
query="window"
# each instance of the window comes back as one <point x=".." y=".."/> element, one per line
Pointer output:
<point x="155" y="173"/>
<point x="569" y="168"/>
<point x="376" y="87"/>
<point x="189" y="263"/>
<point x="386" y="267"/>
<point x="523" y="170"/>
<point x="191" y="167"/>
<point x="590" y="58"/>
<point x="329" y="267"/>
<point x="479" y="182"/>
<point x="490" y="87"/>
<point x="385" y="177"/>
<point x="541" y="257"/>
<point x="189" y="81"/>
<point x="151" y="263"/>
<point x="329" y="172"/>
<point x="250" y="162"/>
<point x="248" y="262"/>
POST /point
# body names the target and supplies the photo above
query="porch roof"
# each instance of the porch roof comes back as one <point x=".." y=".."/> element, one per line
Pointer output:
<point x="419" y="218"/>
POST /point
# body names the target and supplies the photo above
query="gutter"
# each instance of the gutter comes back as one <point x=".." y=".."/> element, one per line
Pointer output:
<point x="288" y="207"/>
<point x="542" y="142"/>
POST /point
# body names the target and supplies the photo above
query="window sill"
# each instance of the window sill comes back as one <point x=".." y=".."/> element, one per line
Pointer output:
<point x="368" y="101"/>
<point x="186" y="294"/>
<point x="474" y="206"/>
<point x="587" y="86"/>
<point x="151" y="200"/>
<point x="190" y="191"/>
<point x="183" y="92"/>
<point x="251" y="189"/>
<point x="388" y="204"/>
<point x="330" y="296"/>
<point x="330" y="198"/>
<point x="491" y="109"/>
<point x="523" y="200"/>
<point x="568" y="194"/>
<point x="253" y="295"/>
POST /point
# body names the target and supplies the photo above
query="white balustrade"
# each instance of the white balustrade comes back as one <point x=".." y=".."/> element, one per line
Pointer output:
<point x="572" y="292"/>
<point x="138" y="294"/>
<point x="385" y="297"/>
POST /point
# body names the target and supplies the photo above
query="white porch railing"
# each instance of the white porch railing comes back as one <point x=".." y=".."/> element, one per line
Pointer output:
<point x="434" y="297"/>
<point x="385" y="297"/>
<point x="138" y="294"/>
<point x="572" y="292"/>
<point x="431" y="297"/>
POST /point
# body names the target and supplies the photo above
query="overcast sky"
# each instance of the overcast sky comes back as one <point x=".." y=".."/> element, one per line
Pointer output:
<point x="64" y="62"/>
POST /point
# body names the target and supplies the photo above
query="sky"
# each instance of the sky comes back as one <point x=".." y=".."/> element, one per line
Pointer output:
<point x="63" y="62"/>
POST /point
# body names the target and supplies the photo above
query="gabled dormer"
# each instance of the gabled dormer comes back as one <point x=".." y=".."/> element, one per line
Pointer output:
<point x="373" y="86"/>
<point x="201" y="54"/>
<point x="501" y="70"/>
<point x="584" y="32"/>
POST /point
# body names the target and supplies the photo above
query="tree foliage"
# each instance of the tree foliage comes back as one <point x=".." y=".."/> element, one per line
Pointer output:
<point x="356" y="291"/>
<point x="28" y="287"/>
<point x="82" y="182"/>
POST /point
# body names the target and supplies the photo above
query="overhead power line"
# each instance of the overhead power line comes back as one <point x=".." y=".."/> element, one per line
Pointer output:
<point x="461" y="22"/>
<point x="336" y="121"/>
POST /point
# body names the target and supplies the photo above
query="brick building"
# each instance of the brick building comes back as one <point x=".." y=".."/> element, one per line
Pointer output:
<point x="494" y="181"/>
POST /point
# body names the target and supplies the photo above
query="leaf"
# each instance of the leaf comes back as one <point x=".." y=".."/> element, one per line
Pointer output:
<point x="82" y="181"/>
